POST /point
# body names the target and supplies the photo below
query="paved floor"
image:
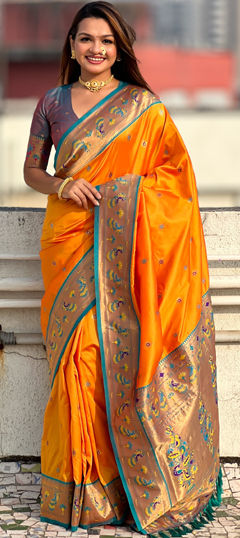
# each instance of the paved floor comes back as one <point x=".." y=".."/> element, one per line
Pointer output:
<point x="19" y="507"/>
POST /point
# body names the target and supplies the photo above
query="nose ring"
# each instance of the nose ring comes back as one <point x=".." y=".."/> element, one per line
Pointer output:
<point x="103" y="51"/>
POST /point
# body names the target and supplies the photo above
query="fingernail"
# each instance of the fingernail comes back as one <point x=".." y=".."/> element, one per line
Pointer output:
<point x="97" y="203"/>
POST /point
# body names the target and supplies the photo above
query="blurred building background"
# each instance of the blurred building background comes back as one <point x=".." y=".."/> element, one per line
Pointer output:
<point x="190" y="54"/>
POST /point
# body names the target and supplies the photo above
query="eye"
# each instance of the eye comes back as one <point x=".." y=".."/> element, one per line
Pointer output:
<point x="84" y="39"/>
<point x="108" y="41"/>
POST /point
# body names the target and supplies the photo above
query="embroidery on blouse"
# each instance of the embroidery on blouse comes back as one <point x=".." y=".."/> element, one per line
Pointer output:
<point x="38" y="151"/>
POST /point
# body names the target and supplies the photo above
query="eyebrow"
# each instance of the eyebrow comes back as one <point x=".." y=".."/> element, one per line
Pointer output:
<point x="85" y="33"/>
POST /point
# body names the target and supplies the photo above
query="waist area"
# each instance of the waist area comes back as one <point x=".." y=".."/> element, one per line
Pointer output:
<point x="65" y="219"/>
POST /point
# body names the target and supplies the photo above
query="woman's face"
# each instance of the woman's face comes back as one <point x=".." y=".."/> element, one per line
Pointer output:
<point x="95" y="48"/>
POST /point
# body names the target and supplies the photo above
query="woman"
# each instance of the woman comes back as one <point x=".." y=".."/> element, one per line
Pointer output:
<point x="131" y="426"/>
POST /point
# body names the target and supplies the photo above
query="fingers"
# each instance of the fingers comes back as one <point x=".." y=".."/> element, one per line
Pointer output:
<point x="78" y="199"/>
<point x="90" y="187"/>
<point x="81" y="191"/>
<point x="90" y="195"/>
<point x="89" y="190"/>
<point x="73" y="196"/>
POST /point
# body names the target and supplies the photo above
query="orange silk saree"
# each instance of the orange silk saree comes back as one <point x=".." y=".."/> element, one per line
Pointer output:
<point x="131" y="425"/>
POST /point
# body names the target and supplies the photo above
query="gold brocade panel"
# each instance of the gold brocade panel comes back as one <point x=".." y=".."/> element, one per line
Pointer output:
<point x="83" y="504"/>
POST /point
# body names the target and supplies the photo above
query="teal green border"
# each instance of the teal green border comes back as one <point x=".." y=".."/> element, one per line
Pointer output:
<point x="201" y="520"/>
<point x="126" y="127"/>
<point x="81" y="483"/>
<point x="54" y="522"/>
<point x="85" y="311"/>
<point x="57" y="480"/>
<point x="113" y="521"/>
<point x="85" y="116"/>
<point x="62" y="286"/>
<point x="100" y="335"/>
<point x="139" y="340"/>
<point x="96" y="260"/>
<point x="204" y="516"/>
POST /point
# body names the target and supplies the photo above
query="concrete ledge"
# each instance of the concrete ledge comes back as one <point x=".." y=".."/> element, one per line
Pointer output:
<point x="24" y="383"/>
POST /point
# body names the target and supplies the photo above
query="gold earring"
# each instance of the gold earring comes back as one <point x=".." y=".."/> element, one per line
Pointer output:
<point x="73" y="57"/>
<point x="118" y="59"/>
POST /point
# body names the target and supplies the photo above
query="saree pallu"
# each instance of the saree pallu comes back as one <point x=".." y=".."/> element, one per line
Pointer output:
<point x="131" y="425"/>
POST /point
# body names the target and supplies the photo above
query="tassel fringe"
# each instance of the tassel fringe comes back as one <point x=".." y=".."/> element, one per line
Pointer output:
<point x="201" y="519"/>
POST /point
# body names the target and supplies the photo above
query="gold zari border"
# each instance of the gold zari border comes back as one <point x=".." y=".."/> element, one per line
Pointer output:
<point x="82" y="505"/>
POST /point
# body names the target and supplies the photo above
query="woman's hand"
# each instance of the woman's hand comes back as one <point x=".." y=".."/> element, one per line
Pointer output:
<point x="81" y="192"/>
<point x="78" y="190"/>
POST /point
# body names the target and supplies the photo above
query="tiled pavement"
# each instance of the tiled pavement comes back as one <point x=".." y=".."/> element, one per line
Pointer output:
<point x="19" y="507"/>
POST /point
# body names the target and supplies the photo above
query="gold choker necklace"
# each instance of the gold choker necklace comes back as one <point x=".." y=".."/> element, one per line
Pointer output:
<point x="95" y="85"/>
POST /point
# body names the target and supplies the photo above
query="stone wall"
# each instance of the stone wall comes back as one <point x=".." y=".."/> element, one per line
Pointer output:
<point x="24" y="383"/>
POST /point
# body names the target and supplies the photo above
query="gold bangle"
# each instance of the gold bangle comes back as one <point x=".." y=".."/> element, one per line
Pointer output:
<point x="63" y="184"/>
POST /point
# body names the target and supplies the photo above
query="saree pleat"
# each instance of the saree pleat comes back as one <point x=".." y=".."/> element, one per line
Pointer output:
<point x="78" y="422"/>
<point x="131" y="426"/>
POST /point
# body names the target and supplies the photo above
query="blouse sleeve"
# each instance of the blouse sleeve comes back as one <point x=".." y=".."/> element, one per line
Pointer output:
<point x="40" y="141"/>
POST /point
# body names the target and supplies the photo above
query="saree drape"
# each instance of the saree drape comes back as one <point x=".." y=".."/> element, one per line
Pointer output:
<point x="131" y="425"/>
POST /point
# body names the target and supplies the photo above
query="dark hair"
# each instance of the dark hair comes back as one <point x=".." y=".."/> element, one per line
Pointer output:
<point x="127" y="69"/>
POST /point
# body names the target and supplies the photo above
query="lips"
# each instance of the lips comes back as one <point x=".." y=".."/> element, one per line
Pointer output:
<point x="96" y="59"/>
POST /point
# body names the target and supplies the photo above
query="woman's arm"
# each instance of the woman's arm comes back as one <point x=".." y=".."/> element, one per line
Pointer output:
<point x="38" y="151"/>
<point x="40" y="180"/>
<point x="79" y="190"/>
